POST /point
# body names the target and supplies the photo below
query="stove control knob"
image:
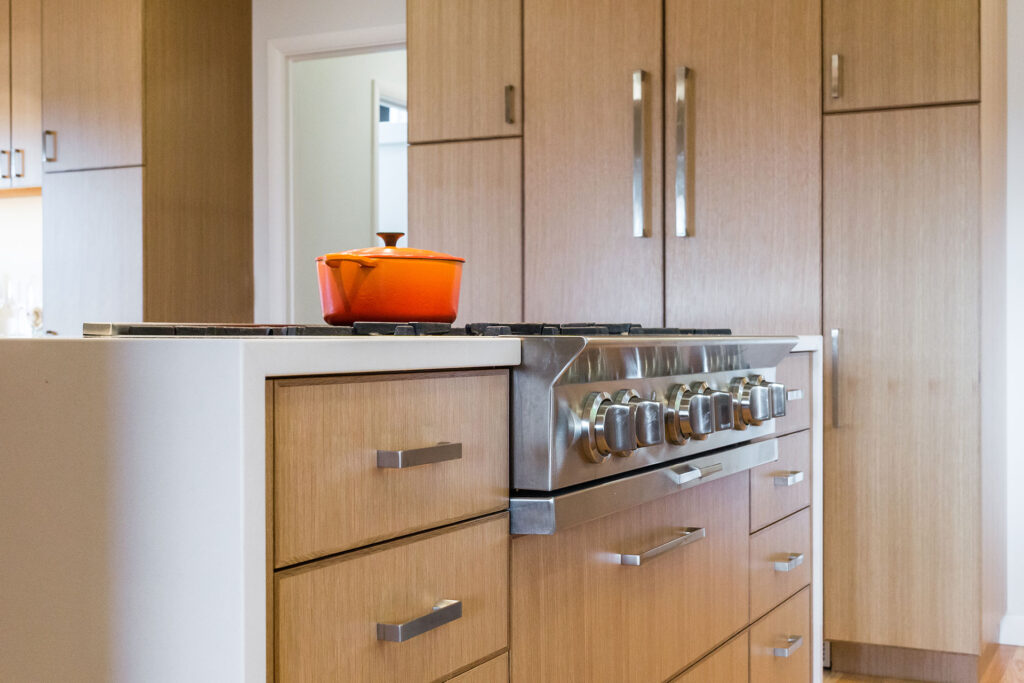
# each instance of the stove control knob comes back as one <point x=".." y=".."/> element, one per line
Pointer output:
<point x="648" y="416"/>
<point x="608" y="427"/>
<point x="776" y="395"/>
<point x="722" y="411"/>
<point x="751" y="402"/>
<point x="689" y="414"/>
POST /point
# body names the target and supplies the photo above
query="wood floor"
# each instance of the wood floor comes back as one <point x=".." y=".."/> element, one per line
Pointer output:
<point x="1006" y="667"/>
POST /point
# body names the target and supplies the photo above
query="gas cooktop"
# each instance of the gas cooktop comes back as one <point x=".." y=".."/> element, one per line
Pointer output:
<point x="411" y="329"/>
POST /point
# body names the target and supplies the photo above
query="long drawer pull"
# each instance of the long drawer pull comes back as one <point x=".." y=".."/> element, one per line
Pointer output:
<point x="689" y="535"/>
<point x="510" y="104"/>
<point x="444" y="612"/>
<point x="5" y="162"/>
<point x="682" y="152"/>
<point x="792" y="561"/>
<point x="834" y="75"/>
<point x="688" y="473"/>
<point x="793" y="644"/>
<point x="639" y="83"/>
<point x="49" y="145"/>
<point x="414" y="457"/>
<point x="789" y="478"/>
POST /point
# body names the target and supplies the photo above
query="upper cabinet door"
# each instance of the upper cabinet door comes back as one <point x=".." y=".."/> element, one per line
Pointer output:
<point x="465" y="69"/>
<point x="896" y="53"/>
<point x="592" y="150"/>
<point x="26" y="85"/>
<point x="743" y="165"/>
<point x="92" y="84"/>
<point x="5" y="94"/>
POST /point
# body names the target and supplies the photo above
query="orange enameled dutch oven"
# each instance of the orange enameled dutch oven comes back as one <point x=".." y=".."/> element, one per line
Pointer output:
<point x="389" y="284"/>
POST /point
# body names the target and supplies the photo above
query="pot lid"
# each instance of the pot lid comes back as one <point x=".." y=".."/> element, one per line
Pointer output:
<point x="390" y="250"/>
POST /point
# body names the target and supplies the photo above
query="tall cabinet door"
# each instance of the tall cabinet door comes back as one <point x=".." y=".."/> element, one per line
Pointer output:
<point x="5" y="94"/>
<point x="592" y="156"/>
<point x="92" y="83"/>
<point x="896" y="53"/>
<point x="26" y="85"/>
<point x="901" y="236"/>
<point x="465" y="69"/>
<point x="743" y="160"/>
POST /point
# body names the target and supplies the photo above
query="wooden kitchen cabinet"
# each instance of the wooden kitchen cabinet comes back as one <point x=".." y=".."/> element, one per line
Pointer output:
<point x="780" y="643"/>
<point x="465" y="198"/>
<point x="592" y="145"/>
<point x="750" y="182"/>
<point x="902" y="462"/>
<point x="92" y="83"/>
<point x="727" y="664"/>
<point x="465" y="69"/>
<point x="20" y="127"/>
<point x="632" y="623"/>
<point x="895" y="53"/>
<point x="183" y="117"/>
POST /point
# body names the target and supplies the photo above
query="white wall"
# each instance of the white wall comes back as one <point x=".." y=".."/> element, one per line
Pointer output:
<point x="332" y="145"/>
<point x="21" y="263"/>
<point x="1013" y="624"/>
<point x="275" y="20"/>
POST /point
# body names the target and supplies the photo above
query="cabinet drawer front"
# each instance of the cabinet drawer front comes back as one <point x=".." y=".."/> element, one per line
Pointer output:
<point x="780" y="562"/>
<point x="328" y="613"/>
<point x="632" y="623"/>
<point x="727" y="664"/>
<point x="330" y="494"/>
<point x="492" y="671"/>
<point x="780" y="488"/>
<point x="776" y="656"/>
<point x="795" y="373"/>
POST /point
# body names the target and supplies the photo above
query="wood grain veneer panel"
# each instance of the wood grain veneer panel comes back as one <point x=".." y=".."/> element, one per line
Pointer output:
<point x="582" y="262"/>
<point x="643" y="623"/>
<point x="26" y="88"/>
<point x="898" y="662"/>
<point x="327" y="612"/>
<point x="466" y="199"/>
<point x="901" y="478"/>
<point x="769" y="587"/>
<point x="5" y="88"/>
<point x="755" y="166"/>
<point x="727" y="664"/>
<point x="790" y="619"/>
<point x="93" y="82"/>
<point x="492" y="671"/>
<point x="198" y="179"/>
<point x="462" y="54"/>
<point x="896" y="53"/>
<point x="770" y="502"/>
<point x="329" y="494"/>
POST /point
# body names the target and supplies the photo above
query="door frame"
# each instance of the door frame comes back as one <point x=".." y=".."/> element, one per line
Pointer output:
<point x="277" y="269"/>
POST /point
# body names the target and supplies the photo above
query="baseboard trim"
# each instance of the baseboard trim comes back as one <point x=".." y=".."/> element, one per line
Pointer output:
<point x="1011" y="630"/>
<point x="901" y="662"/>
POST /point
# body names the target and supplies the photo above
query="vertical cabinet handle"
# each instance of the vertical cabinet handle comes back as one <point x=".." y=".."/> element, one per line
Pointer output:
<point x="688" y="536"/>
<point x="682" y="152"/>
<point x="793" y="644"/>
<point x="835" y="378"/>
<point x="444" y="612"/>
<point x="834" y="77"/>
<point x="49" y="145"/>
<point x="19" y="163"/>
<point x="5" y="164"/>
<point x="510" y="104"/>
<point x="639" y="153"/>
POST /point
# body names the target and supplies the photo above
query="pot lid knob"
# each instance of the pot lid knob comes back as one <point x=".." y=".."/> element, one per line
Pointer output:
<point x="390" y="238"/>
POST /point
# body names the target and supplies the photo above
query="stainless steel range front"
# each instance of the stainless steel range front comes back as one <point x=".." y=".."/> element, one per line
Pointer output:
<point x="602" y="423"/>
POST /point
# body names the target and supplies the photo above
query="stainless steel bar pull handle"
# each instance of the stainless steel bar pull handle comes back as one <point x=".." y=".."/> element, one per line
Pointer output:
<point x="443" y="612"/>
<point x="510" y="104"/>
<point x="684" y="474"/>
<point x="414" y="457"/>
<point x="789" y="478"/>
<point x="834" y="77"/>
<point x="835" y="378"/>
<point x="682" y="152"/>
<point x="792" y="561"/>
<point x="793" y="644"/>
<point x="639" y="153"/>
<point x="5" y="164"/>
<point x="49" y="145"/>
<point x="689" y="535"/>
<point x="19" y="163"/>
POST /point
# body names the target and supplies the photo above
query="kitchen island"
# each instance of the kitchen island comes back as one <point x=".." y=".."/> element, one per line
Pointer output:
<point x="133" y="495"/>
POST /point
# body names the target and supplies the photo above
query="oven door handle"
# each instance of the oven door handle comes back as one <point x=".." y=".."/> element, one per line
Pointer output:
<point x="690" y="534"/>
